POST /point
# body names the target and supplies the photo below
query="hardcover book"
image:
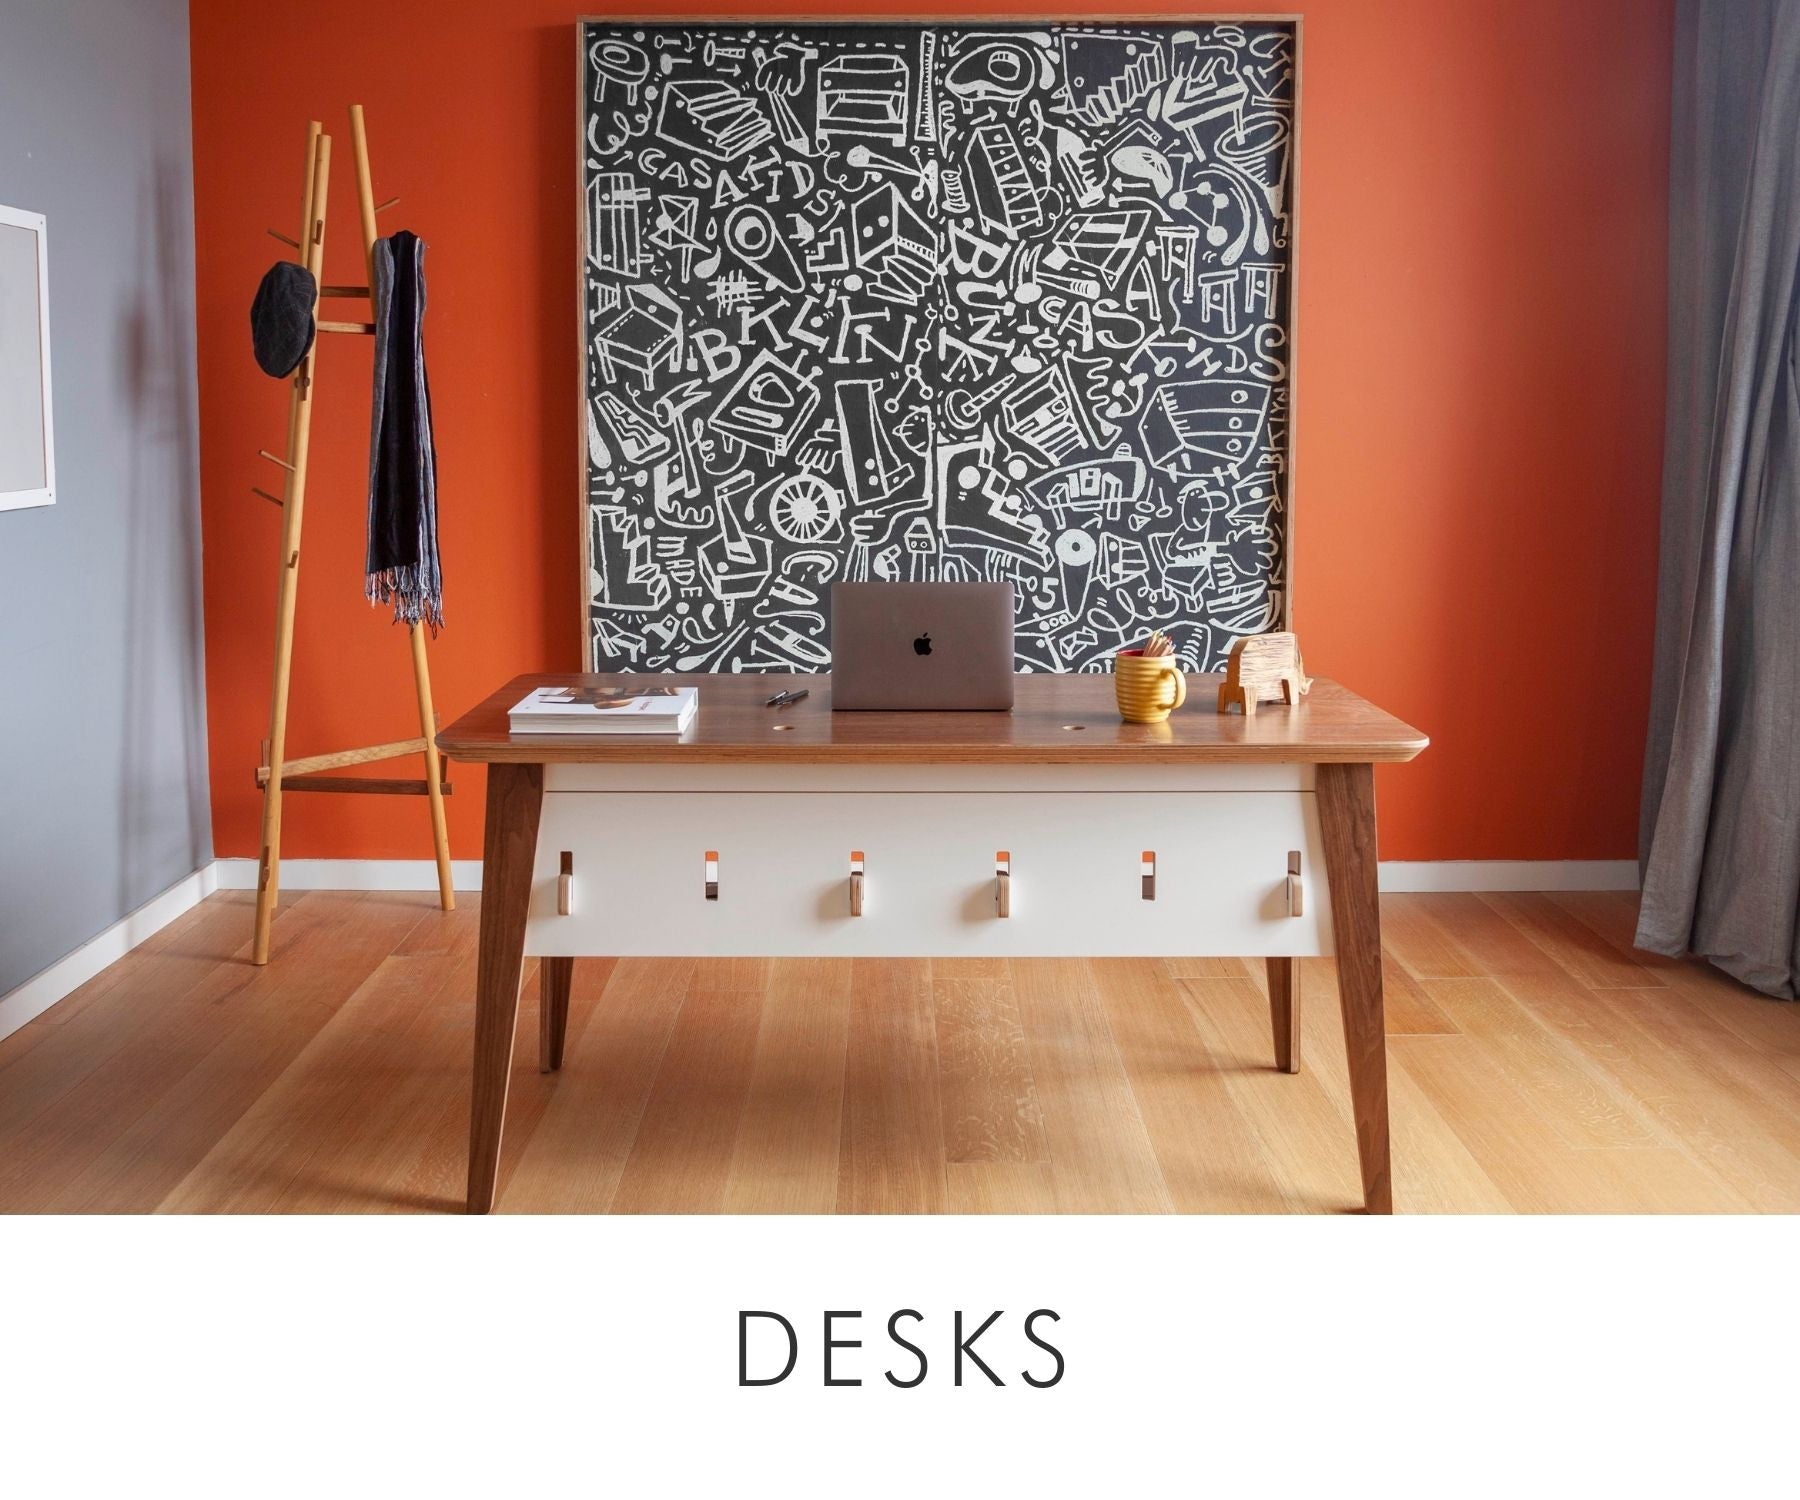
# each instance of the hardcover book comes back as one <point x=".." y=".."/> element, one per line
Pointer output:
<point x="592" y="710"/>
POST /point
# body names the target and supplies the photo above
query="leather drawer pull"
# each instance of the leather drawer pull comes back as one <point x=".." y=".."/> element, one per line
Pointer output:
<point x="856" y="882"/>
<point x="565" y="885"/>
<point x="712" y="874"/>
<point x="1147" y="874"/>
<point x="1295" y="896"/>
<point x="1003" y="883"/>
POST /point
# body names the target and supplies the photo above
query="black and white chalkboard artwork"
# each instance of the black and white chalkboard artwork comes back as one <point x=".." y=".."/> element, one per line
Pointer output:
<point x="934" y="302"/>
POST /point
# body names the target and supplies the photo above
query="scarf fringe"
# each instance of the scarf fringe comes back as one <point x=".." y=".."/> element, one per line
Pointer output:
<point x="415" y="597"/>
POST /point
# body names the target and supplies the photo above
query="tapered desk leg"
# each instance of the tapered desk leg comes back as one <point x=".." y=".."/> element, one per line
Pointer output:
<point x="1347" y="819"/>
<point x="515" y="797"/>
<point x="555" y="976"/>
<point x="1284" y="1012"/>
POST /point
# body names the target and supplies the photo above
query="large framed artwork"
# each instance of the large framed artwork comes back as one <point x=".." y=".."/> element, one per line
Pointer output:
<point x="955" y="301"/>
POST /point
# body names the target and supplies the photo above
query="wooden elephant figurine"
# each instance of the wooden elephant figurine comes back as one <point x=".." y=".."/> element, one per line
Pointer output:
<point x="1264" y="669"/>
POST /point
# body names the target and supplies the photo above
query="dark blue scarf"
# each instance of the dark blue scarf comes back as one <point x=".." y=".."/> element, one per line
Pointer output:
<point x="403" y="548"/>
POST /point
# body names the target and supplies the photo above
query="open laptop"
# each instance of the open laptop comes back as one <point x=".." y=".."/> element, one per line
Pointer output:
<point x="922" y="645"/>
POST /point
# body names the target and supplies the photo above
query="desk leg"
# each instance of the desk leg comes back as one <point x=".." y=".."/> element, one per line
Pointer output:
<point x="1284" y="1012"/>
<point x="555" y="977"/>
<point x="1347" y="819"/>
<point x="515" y="796"/>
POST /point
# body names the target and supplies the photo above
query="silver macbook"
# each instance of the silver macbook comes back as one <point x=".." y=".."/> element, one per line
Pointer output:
<point x="922" y="645"/>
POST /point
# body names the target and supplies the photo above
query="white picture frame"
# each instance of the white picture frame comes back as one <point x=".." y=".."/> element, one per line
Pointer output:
<point x="27" y="436"/>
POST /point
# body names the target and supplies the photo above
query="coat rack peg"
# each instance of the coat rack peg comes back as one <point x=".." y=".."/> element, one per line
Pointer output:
<point x="1147" y="874"/>
<point x="272" y="499"/>
<point x="565" y="885"/>
<point x="1003" y="883"/>
<point x="286" y="239"/>
<point x="712" y="874"/>
<point x="389" y="203"/>
<point x="280" y="463"/>
<point x="856" y="882"/>
<point x="1296" y="900"/>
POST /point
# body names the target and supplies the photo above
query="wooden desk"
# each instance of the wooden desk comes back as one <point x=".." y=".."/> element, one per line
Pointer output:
<point x="1051" y="830"/>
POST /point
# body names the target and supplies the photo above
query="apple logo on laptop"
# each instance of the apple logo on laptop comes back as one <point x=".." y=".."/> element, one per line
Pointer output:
<point x="923" y="645"/>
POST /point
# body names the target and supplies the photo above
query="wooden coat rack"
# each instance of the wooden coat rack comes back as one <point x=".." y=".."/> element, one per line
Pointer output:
<point x="276" y="774"/>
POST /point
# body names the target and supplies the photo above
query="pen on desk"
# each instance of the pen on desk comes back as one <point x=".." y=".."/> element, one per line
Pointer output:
<point x="785" y="697"/>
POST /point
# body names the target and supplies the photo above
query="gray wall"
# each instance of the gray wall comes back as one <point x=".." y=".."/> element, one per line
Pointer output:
<point x="103" y="795"/>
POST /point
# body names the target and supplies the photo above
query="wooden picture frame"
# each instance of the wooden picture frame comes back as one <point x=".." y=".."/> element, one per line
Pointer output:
<point x="1284" y="618"/>
<point x="27" y="419"/>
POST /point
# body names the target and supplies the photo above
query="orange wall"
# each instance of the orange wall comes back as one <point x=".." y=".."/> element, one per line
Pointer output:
<point x="1478" y="401"/>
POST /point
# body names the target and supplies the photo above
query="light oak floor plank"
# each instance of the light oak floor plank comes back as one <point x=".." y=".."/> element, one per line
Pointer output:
<point x="1000" y="1187"/>
<point x="785" y="1160"/>
<point x="1408" y="934"/>
<point x="1572" y="1096"/>
<point x="988" y="1096"/>
<point x="1677" y="1088"/>
<point x="1206" y="968"/>
<point x="1209" y="1154"/>
<point x="1536" y="1063"/>
<point x="1771" y="1024"/>
<point x="682" y="1153"/>
<point x="1302" y="1120"/>
<point x="1434" y="1172"/>
<point x="891" y="1148"/>
<point x="577" y="1154"/>
<point x="204" y="952"/>
<point x="285" y="1150"/>
<point x="1101" y="1158"/>
<point x="1493" y="946"/>
<point x="140" y="1121"/>
<point x="420" y="1159"/>
<point x="1529" y="1162"/>
<point x="1409" y="1007"/>
<point x="1579" y="951"/>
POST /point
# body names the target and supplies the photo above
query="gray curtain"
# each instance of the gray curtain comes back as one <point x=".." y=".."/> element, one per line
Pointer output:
<point x="1720" y="830"/>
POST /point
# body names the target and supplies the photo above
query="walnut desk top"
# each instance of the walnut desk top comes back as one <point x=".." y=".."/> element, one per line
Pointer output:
<point x="1057" y="719"/>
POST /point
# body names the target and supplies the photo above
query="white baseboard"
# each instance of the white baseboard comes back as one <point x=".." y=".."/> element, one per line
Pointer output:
<point x="1396" y="875"/>
<point x="37" y="994"/>
<point x="1509" y="875"/>
<point x="351" y="874"/>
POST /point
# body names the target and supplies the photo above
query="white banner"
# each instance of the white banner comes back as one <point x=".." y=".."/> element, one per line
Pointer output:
<point x="1241" y="1356"/>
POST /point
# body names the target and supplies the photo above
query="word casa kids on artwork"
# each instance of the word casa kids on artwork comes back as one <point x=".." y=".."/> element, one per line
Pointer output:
<point x="950" y="303"/>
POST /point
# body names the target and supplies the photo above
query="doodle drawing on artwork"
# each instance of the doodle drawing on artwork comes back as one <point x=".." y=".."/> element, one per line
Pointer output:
<point x="908" y="303"/>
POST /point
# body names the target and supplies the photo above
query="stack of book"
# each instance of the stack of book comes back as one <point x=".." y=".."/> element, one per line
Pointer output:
<point x="591" y="710"/>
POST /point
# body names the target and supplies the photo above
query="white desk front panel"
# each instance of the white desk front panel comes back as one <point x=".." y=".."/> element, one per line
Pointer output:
<point x="784" y="865"/>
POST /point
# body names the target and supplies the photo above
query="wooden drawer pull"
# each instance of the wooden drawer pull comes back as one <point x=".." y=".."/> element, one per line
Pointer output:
<point x="856" y="882"/>
<point x="1147" y="874"/>
<point x="1296" y="898"/>
<point x="712" y="874"/>
<point x="1003" y="883"/>
<point x="565" y="885"/>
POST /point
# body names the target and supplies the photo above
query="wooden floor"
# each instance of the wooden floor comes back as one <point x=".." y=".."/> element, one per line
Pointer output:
<point x="1536" y="1064"/>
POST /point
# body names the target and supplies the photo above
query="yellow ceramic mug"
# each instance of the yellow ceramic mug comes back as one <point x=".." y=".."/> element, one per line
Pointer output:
<point x="1149" y="688"/>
